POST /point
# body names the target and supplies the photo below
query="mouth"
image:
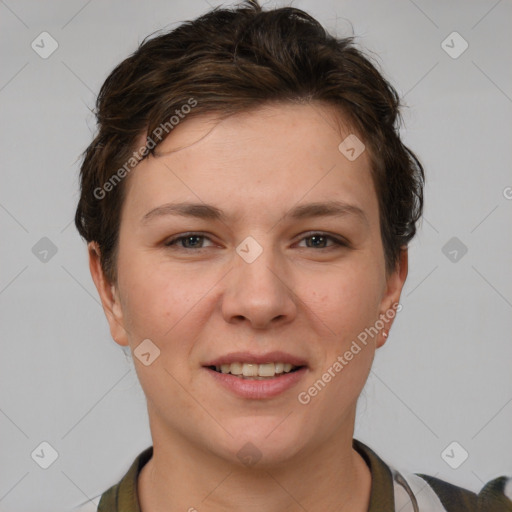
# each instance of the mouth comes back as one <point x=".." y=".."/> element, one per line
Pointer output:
<point x="254" y="371"/>
<point x="257" y="377"/>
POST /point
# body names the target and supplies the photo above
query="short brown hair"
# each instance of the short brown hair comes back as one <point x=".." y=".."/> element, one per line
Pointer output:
<point x="233" y="60"/>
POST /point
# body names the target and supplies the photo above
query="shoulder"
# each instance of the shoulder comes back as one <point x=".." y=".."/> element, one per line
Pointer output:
<point x="428" y="493"/>
<point x="121" y="497"/>
<point x="90" y="506"/>
<point x="395" y="490"/>
<point x="496" y="495"/>
<point x="416" y="492"/>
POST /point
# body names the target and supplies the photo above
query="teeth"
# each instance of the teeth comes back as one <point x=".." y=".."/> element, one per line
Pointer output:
<point x="266" y="370"/>
<point x="256" y="371"/>
<point x="250" y="370"/>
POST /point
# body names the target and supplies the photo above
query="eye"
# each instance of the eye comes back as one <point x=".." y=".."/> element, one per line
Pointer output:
<point x="321" y="241"/>
<point x="191" y="241"/>
<point x="188" y="241"/>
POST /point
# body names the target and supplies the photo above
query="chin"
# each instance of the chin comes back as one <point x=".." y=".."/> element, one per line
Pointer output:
<point x="257" y="441"/>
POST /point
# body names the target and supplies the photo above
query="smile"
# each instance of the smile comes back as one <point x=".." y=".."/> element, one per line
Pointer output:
<point x="256" y="376"/>
<point x="255" y="371"/>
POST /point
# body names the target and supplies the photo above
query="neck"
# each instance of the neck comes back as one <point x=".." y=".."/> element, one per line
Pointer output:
<point x="179" y="476"/>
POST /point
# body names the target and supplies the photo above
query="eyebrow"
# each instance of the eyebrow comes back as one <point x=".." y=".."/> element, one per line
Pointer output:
<point x="210" y="212"/>
<point x="326" y="209"/>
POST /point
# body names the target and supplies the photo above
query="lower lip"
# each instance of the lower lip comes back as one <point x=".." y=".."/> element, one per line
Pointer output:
<point x="258" y="389"/>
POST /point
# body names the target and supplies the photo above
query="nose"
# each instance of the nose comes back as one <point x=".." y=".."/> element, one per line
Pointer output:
<point x="259" y="293"/>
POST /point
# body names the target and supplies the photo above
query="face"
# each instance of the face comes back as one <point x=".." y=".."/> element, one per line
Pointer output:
<point x="252" y="240"/>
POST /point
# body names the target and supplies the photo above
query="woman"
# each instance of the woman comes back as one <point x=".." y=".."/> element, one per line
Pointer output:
<point x="247" y="205"/>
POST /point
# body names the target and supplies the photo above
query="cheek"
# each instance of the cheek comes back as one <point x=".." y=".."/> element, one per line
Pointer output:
<point x="154" y="297"/>
<point x="168" y="303"/>
<point x="344" y="304"/>
<point x="162" y="305"/>
<point x="346" y="299"/>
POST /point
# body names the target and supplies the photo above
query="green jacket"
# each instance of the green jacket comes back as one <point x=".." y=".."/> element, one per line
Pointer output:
<point x="391" y="491"/>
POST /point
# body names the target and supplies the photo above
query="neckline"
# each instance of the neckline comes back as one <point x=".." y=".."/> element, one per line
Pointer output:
<point x="124" y="495"/>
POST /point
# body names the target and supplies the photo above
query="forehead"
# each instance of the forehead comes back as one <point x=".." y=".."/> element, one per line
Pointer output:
<point x="262" y="159"/>
<point x="278" y="126"/>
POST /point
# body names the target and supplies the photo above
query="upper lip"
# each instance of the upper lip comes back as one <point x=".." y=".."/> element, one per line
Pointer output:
<point x="250" y="357"/>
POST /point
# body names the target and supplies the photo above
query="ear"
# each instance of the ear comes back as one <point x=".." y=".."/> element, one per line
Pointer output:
<point x="394" y="284"/>
<point x="109" y="296"/>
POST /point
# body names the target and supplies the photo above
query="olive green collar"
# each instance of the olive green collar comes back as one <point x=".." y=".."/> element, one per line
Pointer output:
<point x="124" y="497"/>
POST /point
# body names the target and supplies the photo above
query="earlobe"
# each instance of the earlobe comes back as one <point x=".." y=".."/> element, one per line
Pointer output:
<point x="382" y="337"/>
<point x="108" y="294"/>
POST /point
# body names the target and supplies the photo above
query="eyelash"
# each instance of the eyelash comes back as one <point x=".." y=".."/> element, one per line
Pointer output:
<point x="174" y="241"/>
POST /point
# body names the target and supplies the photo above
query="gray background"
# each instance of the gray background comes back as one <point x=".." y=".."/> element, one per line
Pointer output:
<point x="445" y="373"/>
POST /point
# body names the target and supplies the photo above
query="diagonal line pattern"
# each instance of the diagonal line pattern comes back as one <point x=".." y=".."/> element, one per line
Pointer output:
<point x="279" y="424"/>
<point x="5" y="495"/>
<point x="492" y="211"/>
<point x="79" y="79"/>
<point x="75" y="15"/>
<point x="492" y="81"/>
<point x="287" y="491"/>
<point x="14" y="76"/>
<point x="67" y="225"/>
<point x="216" y="487"/>
<point x="81" y="286"/>
<point x="373" y="373"/>
<point x="480" y="480"/>
<point x="13" y="279"/>
<point x="14" y="218"/>
<point x="493" y="287"/>
<point x="14" y="423"/>
<point x="421" y="79"/>
<point x="124" y="327"/>
<point x="499" y="1"/>
<point x="430" y="224"/>
<point x="102" y="397"/>
<point x="424" y="13"/>
<point x="13" y="13"/>
<point x="81" y="490"/>
<point x="501" y="409"/>
<point x="486" y="14"/>
<point x="424" y="279"/>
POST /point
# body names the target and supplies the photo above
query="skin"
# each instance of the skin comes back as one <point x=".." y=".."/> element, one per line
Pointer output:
<point x="204" y="301"/>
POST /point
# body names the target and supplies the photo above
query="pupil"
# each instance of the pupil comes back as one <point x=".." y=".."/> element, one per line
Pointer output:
<point x="317" y="241"/>
<point x="189" y="241"/>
